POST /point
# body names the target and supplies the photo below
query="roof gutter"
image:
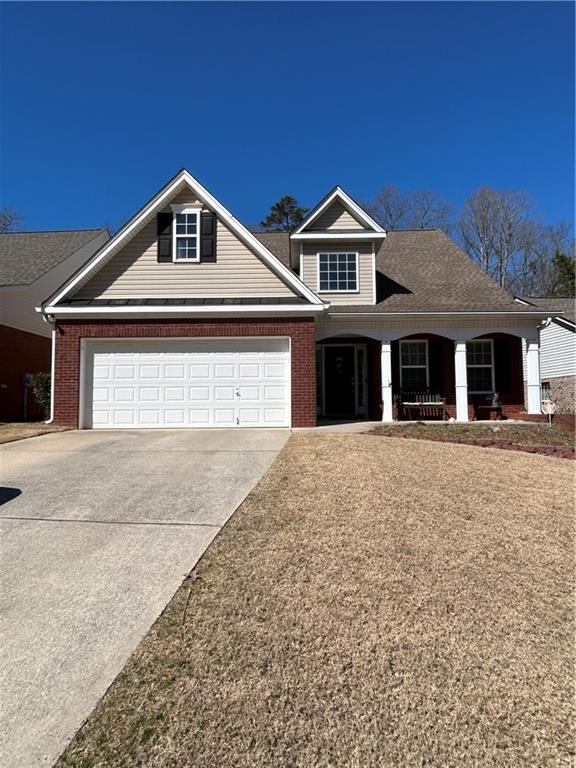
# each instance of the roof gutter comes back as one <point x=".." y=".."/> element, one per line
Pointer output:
<point x="460" y="313"/>
<point x="229" y="310"/>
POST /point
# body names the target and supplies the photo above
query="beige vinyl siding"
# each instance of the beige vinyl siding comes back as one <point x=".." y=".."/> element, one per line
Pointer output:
<point x="336" y="216"/>
<point x="184" y="196"/>
<point x="366" y="276"/>
<point x="134" y="272"/>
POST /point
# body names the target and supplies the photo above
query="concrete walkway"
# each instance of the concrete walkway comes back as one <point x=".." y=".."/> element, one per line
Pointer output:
<point x="97" y="531"/>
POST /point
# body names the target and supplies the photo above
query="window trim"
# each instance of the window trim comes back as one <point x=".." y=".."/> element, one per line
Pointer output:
<point x="427" y="365"/>
<point x="186" y="208"/>
<point x="482" y="365"/>
<point x="334" y="252"/>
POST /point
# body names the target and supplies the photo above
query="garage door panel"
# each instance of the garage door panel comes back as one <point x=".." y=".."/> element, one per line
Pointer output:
<point x="224" y="417"/>
<point x="250" y="371"/>
<point x="101" y="418"/>
<point x="209" y="383"/>
<point x="274" y="370"/>
<point x="123" y="417"/>
<point x="200" y="393"/>
<point x="274" y="416"/>
<point x="248" y="417"/>
<point x="149" y="394"/>
<point x="172" y="394"/>
<point x="200" y="371"/>
<point x="274" y="392"/>
<point x="149" y="371"/>
<point x="101" y="372"/>
<point x="175" y="418"/>
<point x="101" y="395"/>
<point x="149" y="416"/>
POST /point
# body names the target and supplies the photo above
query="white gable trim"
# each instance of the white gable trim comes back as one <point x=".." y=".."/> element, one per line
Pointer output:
<point x="339" y="235"/>
<point x="160" y="201"/>
<point x="346" y="200"/>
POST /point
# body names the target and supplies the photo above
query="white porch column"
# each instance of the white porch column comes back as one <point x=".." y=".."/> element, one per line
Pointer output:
<point x="461" y="381"/>
<point x="386" y="379"/>
<point x="533" y="375"/>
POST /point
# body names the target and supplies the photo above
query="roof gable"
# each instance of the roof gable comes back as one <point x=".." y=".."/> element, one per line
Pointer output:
<point x="181" y="183"/>
<point x="338" y="211"/>
<point x="134" y="272"/>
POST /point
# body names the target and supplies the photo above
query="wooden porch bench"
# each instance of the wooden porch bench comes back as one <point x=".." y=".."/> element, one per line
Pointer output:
<point x="423" y="403"/>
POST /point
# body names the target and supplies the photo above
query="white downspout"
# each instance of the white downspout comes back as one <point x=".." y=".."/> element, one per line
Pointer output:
<point x="50" y="321"/>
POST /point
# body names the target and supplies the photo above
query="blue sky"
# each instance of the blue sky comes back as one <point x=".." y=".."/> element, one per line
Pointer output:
<point x="103" y="102"/>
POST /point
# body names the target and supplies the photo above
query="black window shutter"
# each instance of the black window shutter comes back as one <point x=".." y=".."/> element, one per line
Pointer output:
<point x="164" y="232"/>
<point x="208" y="238"/>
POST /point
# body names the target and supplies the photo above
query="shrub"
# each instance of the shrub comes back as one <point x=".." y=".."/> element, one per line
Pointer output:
<point x="41" y="390"/>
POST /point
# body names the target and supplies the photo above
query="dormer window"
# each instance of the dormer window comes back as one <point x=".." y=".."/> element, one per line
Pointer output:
<point x="186" y="233"/>
<point x="337" y="272"/>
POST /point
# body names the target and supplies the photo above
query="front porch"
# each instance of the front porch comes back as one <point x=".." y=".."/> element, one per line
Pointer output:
<point x="424" y="376"/>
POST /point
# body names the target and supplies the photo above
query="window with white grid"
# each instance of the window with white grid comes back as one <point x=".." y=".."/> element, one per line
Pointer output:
<point x="338" y="271"/>
<point x="480" y="366"/>
<point x="414" y="365"/>
<point x="186" y="229"/>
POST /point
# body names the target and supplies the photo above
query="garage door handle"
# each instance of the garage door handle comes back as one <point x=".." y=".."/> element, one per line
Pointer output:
<point x="237" y="392"/>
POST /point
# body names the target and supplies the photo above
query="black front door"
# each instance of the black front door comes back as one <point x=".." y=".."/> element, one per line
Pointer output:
<point x="339" y="383"/>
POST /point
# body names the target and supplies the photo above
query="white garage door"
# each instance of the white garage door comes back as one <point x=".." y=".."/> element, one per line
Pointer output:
<point x="209" y="383"/>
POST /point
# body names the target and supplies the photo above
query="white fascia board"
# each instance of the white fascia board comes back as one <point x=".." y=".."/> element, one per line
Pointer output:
<point x="339" y="235"/>
<point x="151" y="311"/>
<point x="570" y="325"/>
<point x="159" y="201"/>
<point x="348" y="203"/>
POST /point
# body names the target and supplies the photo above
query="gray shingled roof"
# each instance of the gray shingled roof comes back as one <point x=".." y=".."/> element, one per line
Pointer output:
<point x="26" y="256"/>
<point x="278" y="243"/>
<point x="421" y="270"/>
<point x="566" y="306"/>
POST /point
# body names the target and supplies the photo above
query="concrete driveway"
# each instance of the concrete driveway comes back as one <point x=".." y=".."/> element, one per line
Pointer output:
<point x="97" y="531"/>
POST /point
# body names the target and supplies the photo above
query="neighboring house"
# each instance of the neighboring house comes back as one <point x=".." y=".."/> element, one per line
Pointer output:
<point x="32" y="266"/>
<point x="185" y="318"/>
<point x="557" y="352"/>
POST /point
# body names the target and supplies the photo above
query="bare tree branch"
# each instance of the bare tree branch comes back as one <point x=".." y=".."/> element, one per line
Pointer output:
<point x="389" y="208"/>
<point x="428" y="211"/>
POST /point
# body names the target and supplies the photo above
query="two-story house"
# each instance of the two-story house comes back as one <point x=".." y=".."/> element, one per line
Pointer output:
<point x="185" y="318"/>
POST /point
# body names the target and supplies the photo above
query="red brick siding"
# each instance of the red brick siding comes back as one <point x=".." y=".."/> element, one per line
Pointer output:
<point x="70" y="333"/>
<point x="21" y="352"/>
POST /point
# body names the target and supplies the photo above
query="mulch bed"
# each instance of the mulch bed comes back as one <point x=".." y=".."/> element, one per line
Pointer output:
<point x="558" y="451"/>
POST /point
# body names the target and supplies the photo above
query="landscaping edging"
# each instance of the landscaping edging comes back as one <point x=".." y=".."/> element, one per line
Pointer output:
<point x="557" y="451"/>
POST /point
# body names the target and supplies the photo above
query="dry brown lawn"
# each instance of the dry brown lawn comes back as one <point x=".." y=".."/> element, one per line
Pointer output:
<point x="20" y="431"/>
<point x="373" y="604"/>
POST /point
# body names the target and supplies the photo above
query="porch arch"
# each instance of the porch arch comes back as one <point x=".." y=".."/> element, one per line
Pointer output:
<point x="455" y="333"/>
